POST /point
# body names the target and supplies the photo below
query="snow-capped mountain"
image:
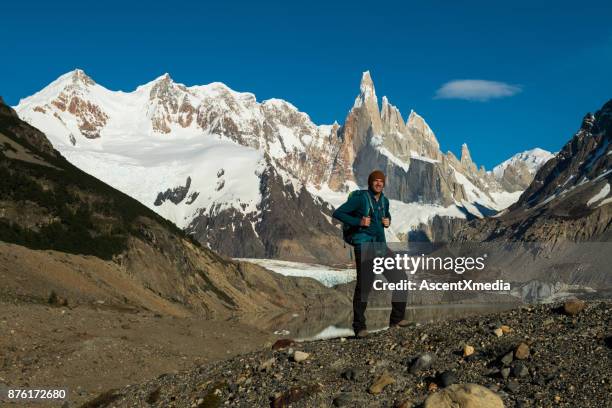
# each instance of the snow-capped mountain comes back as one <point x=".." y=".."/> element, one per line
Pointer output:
<point x="532" y="159"/>
<point x="516" y="173"/>
<point x="252" y="178"/>
<point x="208" y="158"/>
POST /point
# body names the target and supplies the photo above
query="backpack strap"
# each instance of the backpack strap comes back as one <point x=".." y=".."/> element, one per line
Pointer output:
<point x="369" y="201"/>
<point x="385" y="204"/>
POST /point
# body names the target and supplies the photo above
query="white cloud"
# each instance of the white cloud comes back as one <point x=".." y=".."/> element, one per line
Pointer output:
<point x="476" y="90"/>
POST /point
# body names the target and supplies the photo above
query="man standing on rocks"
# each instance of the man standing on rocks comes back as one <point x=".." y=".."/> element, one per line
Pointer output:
<point x="366" y="215"/>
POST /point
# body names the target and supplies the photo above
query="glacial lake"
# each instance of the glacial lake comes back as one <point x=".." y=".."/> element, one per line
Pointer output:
<point x="333" y="323"/>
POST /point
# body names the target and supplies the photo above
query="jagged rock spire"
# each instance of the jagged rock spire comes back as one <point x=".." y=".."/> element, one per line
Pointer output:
<point x="367" y="86"/>
<point x="465" y="154"/>
<point x="425" y="140"/>
<point x="367" y="99"/>
<point x="466" y="158"/>
<point x="391" y="117"/>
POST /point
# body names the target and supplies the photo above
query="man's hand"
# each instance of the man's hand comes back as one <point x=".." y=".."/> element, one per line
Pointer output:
<point x="386" y="222"/>
<point x="365" y="222"/>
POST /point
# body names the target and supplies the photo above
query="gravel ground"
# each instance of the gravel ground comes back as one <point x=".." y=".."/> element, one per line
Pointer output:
<point x="92" y="349"/>
<point x="562" y="361"/>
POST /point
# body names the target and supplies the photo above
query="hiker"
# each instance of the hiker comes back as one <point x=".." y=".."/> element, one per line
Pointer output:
<point x="365" y="215"/>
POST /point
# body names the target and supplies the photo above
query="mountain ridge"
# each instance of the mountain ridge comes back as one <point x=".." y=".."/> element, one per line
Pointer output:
<point x="568" y="198"/>
<point x="148" y="142"/>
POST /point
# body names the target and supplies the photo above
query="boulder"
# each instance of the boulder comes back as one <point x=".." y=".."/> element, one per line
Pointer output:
<point x="464" y="396"/>
<point x="573" y="306"/>
<point x="300" y="356"/>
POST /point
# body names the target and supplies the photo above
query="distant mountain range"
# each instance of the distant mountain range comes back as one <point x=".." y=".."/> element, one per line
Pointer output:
<point x="569" y="197"/>
<point x="260" y="179"/>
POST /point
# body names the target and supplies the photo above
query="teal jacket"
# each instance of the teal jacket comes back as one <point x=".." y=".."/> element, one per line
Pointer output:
<point x="357" y="206"/>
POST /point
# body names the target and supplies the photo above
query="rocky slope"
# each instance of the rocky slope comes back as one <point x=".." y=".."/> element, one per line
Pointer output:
<point x="569" y="198"/>
<point x="216" y="162"/>
<point x="560" y="227"/>
<point x="533" y="356"/>
<point x="62" y="230"/>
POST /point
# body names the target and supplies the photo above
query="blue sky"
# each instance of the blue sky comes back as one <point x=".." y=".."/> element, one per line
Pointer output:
<point x="547" y="63"/>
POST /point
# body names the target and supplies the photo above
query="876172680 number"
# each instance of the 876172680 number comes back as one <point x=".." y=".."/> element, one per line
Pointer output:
<point x="17" y="394"/>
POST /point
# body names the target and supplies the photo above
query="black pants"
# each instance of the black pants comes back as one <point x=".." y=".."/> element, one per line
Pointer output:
<point x="365" y="279"/>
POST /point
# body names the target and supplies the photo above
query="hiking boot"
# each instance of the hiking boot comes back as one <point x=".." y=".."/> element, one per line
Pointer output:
<point x="401" y="323"/>
<point x="361" y="334"/>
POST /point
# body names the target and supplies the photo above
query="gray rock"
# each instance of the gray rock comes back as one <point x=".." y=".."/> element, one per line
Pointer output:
<point x="491" y="372"/>
<point x="423" y="362"/>
<point x="512" y="387"/>
<point x="506" y="360"/>
<point x="350" y="374"/>
<point x="505" y="372"/>
<point x="520" y="370"/>
<point x="447" y="378"/>
<point x="345" y="399"/>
